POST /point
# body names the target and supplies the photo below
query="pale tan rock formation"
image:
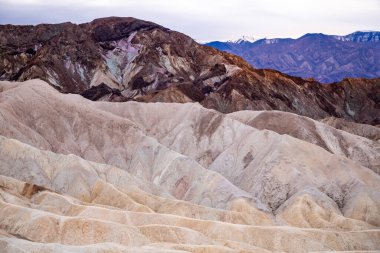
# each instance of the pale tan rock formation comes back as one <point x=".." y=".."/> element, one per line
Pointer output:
<point x="351" y="143"/>
<point x="83" y="176"/>
<point x="367" y="131"/>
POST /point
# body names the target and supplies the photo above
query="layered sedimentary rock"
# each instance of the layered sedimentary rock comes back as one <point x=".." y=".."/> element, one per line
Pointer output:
<point x="349" y="143"/>
<point x="120" y="59"/>
<point x="84" y="176"/>
<point x="364" y="130"/>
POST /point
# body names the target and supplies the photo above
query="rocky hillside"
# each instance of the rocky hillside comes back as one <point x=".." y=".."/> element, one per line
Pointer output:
<point x="326" y="58"/>
<point x="121" y="59"/>
<point x="84" y="176"/>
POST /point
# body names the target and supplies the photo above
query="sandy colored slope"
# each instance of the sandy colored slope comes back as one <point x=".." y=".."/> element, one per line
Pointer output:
<point x="39" y="215"/>
<point x="362" y="150"/>
<point x="132" y="177"/>
<point x="44" y="118"/>
<point x="270" y="166"/>
<point x="104" y="185"/>
<point x="160" y="123"/>
<point x="367" y="131"/>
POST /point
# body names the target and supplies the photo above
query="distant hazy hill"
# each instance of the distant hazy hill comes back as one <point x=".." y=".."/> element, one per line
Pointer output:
<point x="326" y="58"/>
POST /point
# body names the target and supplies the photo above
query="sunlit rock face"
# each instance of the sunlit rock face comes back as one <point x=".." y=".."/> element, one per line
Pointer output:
<point x="84" y="176"/>
<point x="122" y="59"/>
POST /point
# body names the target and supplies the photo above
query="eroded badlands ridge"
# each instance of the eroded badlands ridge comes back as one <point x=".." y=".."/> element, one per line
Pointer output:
<point x="119" y="59"/>
<point x="84" y="176"/>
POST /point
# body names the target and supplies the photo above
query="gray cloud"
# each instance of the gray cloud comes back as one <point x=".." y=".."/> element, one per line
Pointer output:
<point x="207" y="20"/>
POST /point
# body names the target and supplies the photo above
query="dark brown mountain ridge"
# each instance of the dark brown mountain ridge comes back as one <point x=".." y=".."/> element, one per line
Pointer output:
<point x="120" y="59"/>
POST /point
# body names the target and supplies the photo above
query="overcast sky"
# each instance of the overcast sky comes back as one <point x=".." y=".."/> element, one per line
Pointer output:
<point x="206" y="20"/>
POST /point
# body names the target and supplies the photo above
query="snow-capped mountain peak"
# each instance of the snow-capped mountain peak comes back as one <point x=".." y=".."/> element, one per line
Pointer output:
<point x="243" y="39"/>
<point x="361" y="36"/>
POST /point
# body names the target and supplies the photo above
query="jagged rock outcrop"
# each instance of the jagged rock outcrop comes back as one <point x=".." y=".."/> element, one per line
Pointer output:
<point x="142" y="61"/>
<point x="78" y="175"/>
<point x="103" y="92"/>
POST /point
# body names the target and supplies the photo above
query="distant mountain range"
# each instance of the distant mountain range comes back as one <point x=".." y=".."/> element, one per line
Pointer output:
<point x="326" y="58"/>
